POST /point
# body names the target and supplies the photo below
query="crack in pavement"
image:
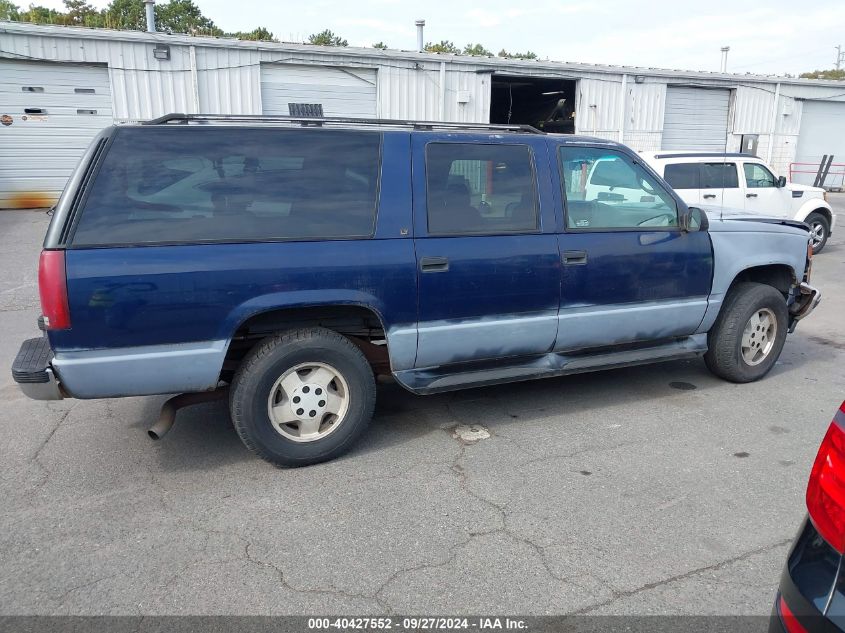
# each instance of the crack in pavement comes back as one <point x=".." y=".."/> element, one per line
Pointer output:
<point x="617" y="595"/>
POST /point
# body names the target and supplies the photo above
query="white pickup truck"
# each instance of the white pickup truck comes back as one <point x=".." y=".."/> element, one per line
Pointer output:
<point x="744" y="183"/>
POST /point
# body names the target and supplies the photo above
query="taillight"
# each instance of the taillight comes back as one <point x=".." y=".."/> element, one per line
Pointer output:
<point x="826" y="490"/>
<point x="790" y="622"/>
<point x="52" y="286"/>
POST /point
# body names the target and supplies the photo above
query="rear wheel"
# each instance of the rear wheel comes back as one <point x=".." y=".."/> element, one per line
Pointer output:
<point x="302" y="397"/>
<point x="819" y="230"/>
<point x="747" y="338"/>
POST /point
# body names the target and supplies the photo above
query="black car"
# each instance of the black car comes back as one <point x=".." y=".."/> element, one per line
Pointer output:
<point x="811" y="597"/>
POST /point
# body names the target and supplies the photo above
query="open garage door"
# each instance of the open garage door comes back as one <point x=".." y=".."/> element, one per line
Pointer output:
<point x="822" y="132"/>
<point x="49" y="114"/>
<point x="696" y="119"/>
<point x="301" y="89"/>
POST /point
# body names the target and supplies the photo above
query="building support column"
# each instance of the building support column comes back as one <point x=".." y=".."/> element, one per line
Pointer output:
<point x="773" y="124"/>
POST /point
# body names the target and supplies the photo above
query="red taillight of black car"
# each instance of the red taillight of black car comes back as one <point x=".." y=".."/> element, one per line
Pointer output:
<point x="52" y="287"/>
<point x="826" y="490"/>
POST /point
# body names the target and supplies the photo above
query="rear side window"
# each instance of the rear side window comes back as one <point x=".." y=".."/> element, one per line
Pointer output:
<point x="719" y="176"/>
<point x="480" y="189"/>
<point x="189" y="184"/>
<point x="683" y="176"/>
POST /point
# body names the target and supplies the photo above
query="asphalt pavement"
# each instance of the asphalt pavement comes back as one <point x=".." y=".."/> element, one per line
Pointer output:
<point x="650" y="490"/>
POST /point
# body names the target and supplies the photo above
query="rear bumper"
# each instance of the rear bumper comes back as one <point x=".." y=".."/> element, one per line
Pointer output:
<point x="33" y="372"/>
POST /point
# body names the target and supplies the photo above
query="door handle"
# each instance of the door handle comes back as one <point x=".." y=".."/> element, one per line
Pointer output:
<point x="434" y="264"/>
<point x="751" y="195"/>
<point x="574" y="258"/>
<point x="709" y="195"/>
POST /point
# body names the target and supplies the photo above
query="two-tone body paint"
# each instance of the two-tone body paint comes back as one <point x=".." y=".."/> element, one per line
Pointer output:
<point x="172" y="309"/>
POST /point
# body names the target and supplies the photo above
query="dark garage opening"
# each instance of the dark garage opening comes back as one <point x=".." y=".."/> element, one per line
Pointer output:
<point x="547" y="104"/>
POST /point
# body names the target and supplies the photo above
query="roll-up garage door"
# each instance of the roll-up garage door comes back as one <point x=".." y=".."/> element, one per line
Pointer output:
<point x="343" y="92"/>
<point x="696" y="119"/>
<point x="49" y="112"/>
<point x="822" y="132"/>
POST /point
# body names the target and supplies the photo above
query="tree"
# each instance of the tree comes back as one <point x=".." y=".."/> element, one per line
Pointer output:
<point x="824" y="74"/>
<point x="125" y="14"/>
<point x="444" y="46"/>
<point x="259" y="34"/>
<point x="183" y="16"/>
<point x="80" y="13"/>
<point x="525" y="55"/>
<point x="9" y="11"/>
<point x="40" y="15"/>
<point x="326" y="38"/>
<point x="476" y="49"/>
<point x="380" y="45"/>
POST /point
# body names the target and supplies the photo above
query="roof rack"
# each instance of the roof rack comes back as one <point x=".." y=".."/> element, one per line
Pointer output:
<point x="175" y="118"/>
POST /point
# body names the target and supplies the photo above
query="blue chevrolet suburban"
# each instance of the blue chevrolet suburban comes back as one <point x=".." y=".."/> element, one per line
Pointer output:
<point x="284" y="263"/>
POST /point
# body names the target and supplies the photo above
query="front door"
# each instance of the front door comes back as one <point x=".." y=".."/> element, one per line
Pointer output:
<point x="762" y="194"/>
<point x="629" y="273"/>
<point x="488" y="267"/>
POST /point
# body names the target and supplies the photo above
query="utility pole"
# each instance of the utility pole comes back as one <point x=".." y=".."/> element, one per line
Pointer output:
<point x="839" y="57"/>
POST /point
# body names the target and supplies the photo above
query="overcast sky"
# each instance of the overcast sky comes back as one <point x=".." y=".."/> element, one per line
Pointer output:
<point x="765" y="36"/>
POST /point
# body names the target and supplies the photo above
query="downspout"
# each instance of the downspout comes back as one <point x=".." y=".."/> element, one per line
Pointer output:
<point x="442" y="113"/>
<point x="623" y="109"/>
<point x="195" y="88"/>
<point x="773" y="125"/>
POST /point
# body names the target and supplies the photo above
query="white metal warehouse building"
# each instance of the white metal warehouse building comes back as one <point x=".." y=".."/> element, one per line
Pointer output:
<point x="59" y="85"/>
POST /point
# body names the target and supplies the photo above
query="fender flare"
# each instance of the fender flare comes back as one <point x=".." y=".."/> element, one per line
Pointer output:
<point x="815" y="204"/>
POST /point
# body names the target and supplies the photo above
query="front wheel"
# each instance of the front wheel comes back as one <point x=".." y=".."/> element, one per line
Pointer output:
<point x="749" y="334"/>
<point x="302" y="397"/>
<point x="819" y="230"/>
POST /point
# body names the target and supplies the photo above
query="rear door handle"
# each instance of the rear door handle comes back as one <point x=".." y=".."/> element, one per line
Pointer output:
<point x="709" y="195"/>
<point x="751" y="195"/>
<point x="574" y="258"/>
<point x="434" y="264"/>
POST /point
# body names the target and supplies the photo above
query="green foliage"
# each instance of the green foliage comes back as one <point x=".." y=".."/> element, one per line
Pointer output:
<point x="259" y="34"/>
<point x="525" y="55"/>
<point x="9" y="11"/>
<point x="380" y="45"/>
<point x="125" y="14"/>
<point x="824" y="74"/>
<point x="444" y="46"/>
<point x="327" y="38"/>
<point x="476" y="49"/>
<point x="183" y="16"/>
<point x="80" y="13"/>
<point x="41" y="15"/>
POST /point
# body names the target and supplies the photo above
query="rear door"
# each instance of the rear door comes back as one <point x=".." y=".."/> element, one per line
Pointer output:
<point x="629" y="273"/>
<point x="720" y="185"/>
<point x="487" y="257"/>
<point x="685" y="179"/>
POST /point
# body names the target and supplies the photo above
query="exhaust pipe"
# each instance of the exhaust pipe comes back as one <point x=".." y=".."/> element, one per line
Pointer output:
<point x="168" y="410"/>
<point x="151" y="15"/>
<point x="420" y="24"/>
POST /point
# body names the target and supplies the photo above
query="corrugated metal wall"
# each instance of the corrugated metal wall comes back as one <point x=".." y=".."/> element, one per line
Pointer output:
<point x="219" y="76"/>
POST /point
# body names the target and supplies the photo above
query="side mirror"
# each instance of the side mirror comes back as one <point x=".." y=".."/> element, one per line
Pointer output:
<point x="782" y="181"/>
<point x="694" y="220"/>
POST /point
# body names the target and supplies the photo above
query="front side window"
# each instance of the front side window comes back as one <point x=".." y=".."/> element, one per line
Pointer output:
<point x="480" y="189"/>
<point x="191" y="184"/>
<point x="607" y="190"/>
<point x="757" y="176"/>
<point x="719" y="176"/>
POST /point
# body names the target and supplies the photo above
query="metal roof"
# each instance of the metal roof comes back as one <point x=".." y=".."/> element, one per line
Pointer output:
<point x="498" y="65"/>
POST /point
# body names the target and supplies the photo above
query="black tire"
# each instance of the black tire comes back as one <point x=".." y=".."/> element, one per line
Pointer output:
<point x="819" y="222"/>
<point x="267" y="362"/>
<point x="724" y="355"/>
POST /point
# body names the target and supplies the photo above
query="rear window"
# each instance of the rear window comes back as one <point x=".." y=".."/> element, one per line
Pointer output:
<point x="682" y="176"/>
<point x="189" y="184"/>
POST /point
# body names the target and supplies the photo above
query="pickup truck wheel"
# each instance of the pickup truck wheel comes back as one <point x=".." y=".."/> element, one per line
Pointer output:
<point x="302" y="397"/>
<point x="749" y="334"/>
<point x="819" y="230"/>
